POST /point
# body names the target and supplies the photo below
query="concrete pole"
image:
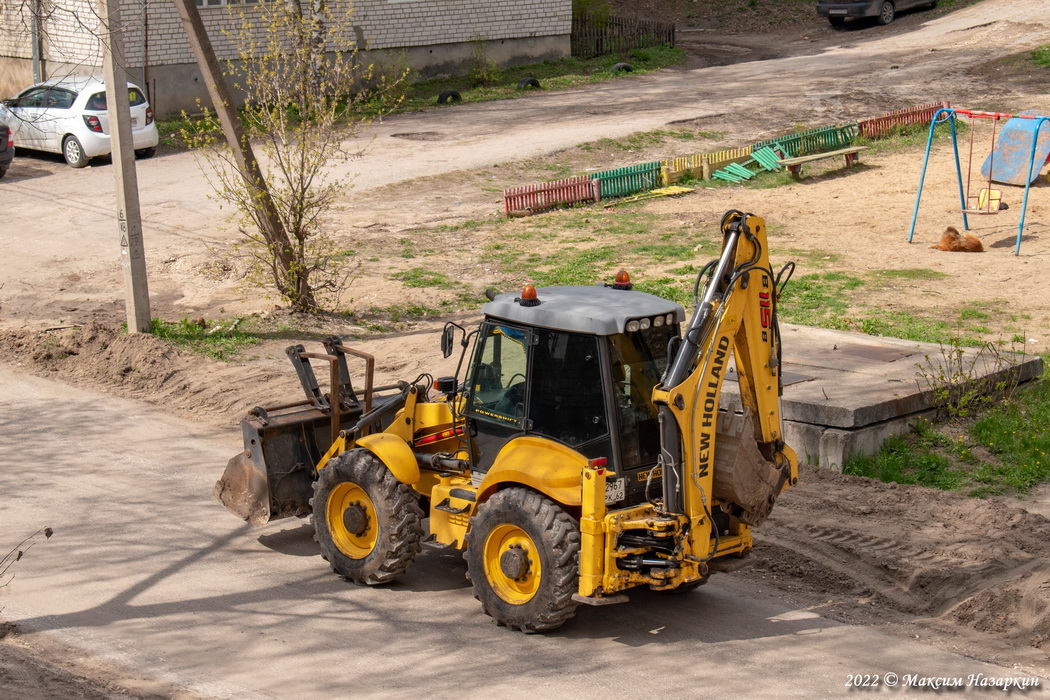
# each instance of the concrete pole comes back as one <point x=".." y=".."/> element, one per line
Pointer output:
<point x="129" y="217"/>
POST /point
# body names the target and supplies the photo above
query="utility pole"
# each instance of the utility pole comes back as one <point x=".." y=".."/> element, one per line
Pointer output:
<point x="129" y="216"/>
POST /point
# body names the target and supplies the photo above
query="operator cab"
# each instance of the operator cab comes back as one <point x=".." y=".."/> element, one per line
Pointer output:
<point x="575" y="365"/>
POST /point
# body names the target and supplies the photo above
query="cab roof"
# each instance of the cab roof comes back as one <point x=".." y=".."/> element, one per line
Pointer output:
<point x="599" y="310"/>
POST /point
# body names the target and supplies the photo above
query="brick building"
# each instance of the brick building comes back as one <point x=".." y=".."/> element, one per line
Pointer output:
<point x="432" y="36"/>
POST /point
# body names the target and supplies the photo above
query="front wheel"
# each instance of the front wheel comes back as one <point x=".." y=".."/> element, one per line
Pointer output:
<point x="368" y="524"/>
<point x="73" y="152"/>
<point x="522" y="557"/>
<point x="886" y="12"/>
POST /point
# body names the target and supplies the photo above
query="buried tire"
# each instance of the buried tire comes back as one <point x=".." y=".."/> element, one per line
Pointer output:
<point x="522" y="557"/>
<point x="449" y="96"/>
<point x="368" y="524"/>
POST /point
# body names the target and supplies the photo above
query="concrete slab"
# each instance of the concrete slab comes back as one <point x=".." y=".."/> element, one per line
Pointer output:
<point x="845" y="393"/>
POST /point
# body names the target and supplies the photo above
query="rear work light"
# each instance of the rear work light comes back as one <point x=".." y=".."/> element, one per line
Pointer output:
<point x="93" y="123"/>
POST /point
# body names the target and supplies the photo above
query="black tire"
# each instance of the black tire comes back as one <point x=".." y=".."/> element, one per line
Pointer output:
<point x="146" y="152"/>
<point x="625" y="67"/>
<point x="836" y="21"/>
<point x="886" y="13"/>
<point x="447" y="95"/>
<point x="932" y="4"/>
<point x="512" y="532"/>
<point x="368" y="524"/>
<point x="3" y="171"/>
<point x="73" y="152"/>
<point x="528" y="83"/>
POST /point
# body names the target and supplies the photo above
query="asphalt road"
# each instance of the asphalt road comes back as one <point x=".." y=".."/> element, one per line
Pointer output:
<point x="146" y="573"/>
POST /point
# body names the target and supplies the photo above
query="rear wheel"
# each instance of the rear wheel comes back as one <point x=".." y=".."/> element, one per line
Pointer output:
<point x="523" y="558"/>
<point x="836" y="21"/>
<point x="368" y="524"/>
<point x="886" y="12"/>
<point x="146" y="152"/>
<point x="73" y="152"/>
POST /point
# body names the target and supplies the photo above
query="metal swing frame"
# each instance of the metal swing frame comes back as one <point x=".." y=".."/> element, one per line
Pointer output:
<point x="949" y="115"/>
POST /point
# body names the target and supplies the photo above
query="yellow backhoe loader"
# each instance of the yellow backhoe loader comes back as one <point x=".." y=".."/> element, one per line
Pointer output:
<point x="585" y="452"/>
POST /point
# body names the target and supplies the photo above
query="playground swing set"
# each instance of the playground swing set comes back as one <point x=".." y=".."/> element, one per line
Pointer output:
<point x="1021" y="136"/>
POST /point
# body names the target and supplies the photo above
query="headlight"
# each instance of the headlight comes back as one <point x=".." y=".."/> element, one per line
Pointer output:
<point x="632" y="326"/>
<point x="644" y="324"/>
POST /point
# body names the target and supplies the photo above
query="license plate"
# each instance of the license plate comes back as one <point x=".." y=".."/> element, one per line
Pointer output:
<point x="837" y="12"/>
<point x="615" y="491"/>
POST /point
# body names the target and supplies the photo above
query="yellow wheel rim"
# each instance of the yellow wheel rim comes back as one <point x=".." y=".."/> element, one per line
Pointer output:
<point x="351" y="519"/>
<point x="512" y="564"/>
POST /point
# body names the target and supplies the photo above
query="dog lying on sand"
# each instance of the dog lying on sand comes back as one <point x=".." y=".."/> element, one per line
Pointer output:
<point x="955" y="243"/>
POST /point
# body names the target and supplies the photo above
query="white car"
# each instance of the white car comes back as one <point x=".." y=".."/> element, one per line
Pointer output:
<point x="68" y="116"/>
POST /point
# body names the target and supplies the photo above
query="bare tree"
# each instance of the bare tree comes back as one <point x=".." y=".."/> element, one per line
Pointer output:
<point x="307" y="96"/>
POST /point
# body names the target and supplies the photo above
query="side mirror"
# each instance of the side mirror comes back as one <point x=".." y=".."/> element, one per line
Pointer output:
<point x="448" y="340"/>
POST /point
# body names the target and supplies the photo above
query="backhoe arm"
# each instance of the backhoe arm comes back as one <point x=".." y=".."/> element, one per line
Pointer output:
<point x="738" y="463"/>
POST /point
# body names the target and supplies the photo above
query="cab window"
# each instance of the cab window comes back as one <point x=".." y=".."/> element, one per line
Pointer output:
<point x="498" y="385"/>
<point x="567" y="400"/>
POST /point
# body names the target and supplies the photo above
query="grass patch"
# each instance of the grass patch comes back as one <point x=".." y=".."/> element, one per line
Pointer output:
<point x="1041" y="56"/>
<point x="498" y="84"/>
<point x="639" y="140"/>
<point x="1004" y="450"/>
<point x="219" y="339"/>
<point x="910" y="273"/>
<point x="821" y="299"/>
<point x="558" y="74"/>
<point x="422" y="277"/>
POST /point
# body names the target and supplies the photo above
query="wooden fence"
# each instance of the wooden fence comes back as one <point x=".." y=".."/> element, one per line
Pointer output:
<point x="595" y="36"/>
<point x="624" y="181"/>
<point x="820" y="140"/>
<point x="878" y="126"/>
<point x="547" y="195"/>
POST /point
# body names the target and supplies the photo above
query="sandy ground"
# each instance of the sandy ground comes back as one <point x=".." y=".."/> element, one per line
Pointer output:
<point x="968" y="575"/>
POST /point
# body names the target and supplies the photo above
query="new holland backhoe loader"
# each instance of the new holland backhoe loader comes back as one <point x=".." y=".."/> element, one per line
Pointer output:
<point x="585" y="453"/>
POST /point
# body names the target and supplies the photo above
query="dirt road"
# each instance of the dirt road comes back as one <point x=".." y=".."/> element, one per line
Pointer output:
<point x="141" y="554"/>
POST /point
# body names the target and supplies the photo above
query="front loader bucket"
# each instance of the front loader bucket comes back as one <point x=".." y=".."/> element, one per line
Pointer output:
<point x="283" y="444"/>
<point x="273" y="477"/>
<point x="243" y="490"/>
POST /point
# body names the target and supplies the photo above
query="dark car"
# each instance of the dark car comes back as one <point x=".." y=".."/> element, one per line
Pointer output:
<point x="884" y="11"/>
<point x="7" y="148"/>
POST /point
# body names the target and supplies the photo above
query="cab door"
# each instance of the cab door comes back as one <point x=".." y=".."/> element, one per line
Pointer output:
<point x="495" y="409"/>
